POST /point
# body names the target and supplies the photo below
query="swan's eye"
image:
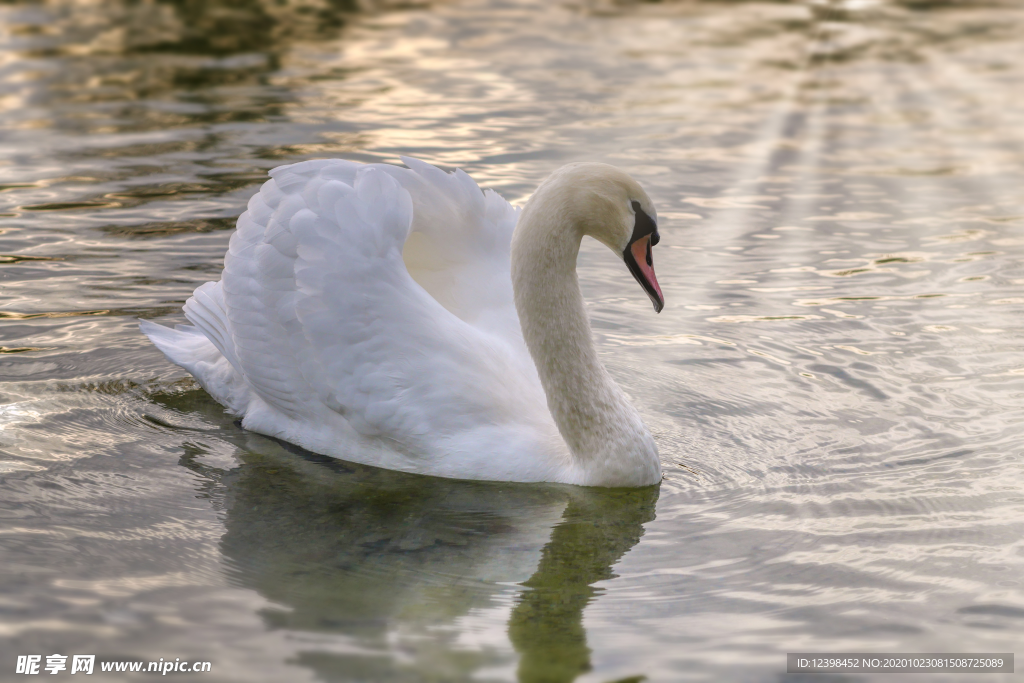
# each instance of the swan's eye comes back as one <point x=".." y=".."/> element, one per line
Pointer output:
<point x="644" y="225"/>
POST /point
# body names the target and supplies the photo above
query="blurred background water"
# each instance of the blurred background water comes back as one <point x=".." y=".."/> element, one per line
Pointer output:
<point x="836" y="384"/>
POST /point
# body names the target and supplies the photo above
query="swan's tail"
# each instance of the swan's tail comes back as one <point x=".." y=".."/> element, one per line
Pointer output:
<point x="205" y="348"/>
<point x="207" y="311"/>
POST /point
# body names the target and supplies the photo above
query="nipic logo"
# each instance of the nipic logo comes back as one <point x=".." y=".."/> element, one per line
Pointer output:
<point x="85" y="664"/>
<point x="30" y="664"/>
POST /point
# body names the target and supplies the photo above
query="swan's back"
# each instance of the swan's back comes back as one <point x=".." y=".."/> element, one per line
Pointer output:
<point x="366" y="312"/>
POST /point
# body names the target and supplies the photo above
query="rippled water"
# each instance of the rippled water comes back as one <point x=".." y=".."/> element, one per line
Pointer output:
<point x="836" y="383"/>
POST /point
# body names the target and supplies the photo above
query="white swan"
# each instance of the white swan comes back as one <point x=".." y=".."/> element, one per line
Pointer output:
<point x="402" y="318"/>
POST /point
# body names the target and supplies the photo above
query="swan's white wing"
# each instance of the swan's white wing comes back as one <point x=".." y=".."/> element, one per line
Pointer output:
<point x="458" y="249"/>
<point x="324" y="316"/>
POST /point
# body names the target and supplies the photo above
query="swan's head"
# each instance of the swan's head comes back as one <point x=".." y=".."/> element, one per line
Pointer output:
<point x="607" y="204"/>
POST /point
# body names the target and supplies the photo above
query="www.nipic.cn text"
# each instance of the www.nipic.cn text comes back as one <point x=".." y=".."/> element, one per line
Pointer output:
<point x="86" y="664"/>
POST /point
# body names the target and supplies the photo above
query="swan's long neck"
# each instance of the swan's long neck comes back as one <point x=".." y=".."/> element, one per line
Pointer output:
<point x="601" y="428"/>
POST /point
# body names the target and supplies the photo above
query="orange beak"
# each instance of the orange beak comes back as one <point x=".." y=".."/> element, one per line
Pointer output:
<point x="640" y="261"/>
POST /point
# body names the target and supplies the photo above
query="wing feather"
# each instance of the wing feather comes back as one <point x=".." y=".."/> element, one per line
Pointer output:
<point x="380" y="297"/>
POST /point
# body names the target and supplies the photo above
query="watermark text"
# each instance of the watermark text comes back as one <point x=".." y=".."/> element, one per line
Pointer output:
<point x="86" y="664"/>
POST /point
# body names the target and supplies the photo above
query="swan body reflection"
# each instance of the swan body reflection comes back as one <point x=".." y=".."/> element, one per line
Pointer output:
<point x="380" y="561"/>
<point x="405" y="319"/>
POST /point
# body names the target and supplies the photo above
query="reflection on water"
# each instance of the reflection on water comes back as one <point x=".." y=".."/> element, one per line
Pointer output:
<point x="350" y="551"/>
<point x="546" y="627"/>
<point x="835" y="383"/>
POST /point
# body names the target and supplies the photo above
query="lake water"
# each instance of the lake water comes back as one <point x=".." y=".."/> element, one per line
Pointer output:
<point x="836" y="383"/>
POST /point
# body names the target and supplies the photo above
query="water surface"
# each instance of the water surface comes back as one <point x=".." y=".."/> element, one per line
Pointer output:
<point x="836" y="383"/>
